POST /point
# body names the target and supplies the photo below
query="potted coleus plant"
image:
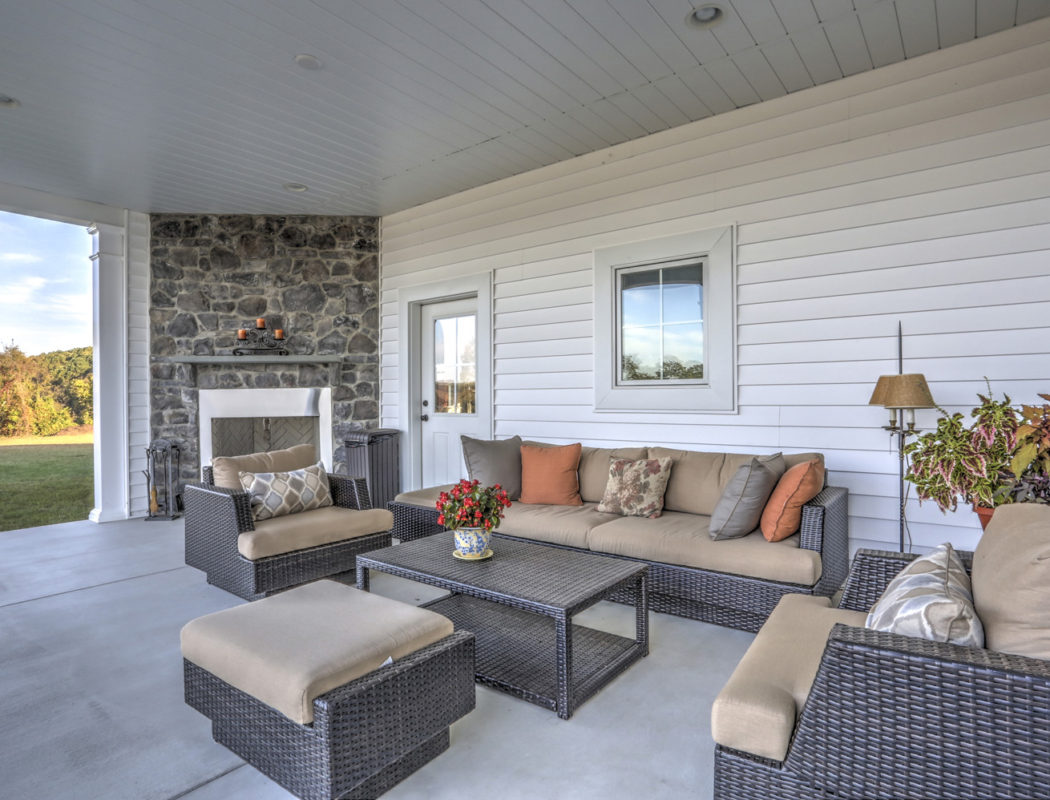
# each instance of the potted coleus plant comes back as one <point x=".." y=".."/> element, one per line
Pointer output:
<point x="956" y="461"/>
<point x="472" y="511"/>
<point x="1028" y="477"/>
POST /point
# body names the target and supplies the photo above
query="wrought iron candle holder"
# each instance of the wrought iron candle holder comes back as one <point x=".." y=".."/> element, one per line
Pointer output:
<point x="260" y="341"/>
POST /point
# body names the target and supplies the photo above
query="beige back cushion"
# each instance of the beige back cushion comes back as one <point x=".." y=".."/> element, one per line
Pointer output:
<point x="225" y="469"/>
<point x="734" y="461"/>
<point x="1011" y="580"/>
<point x="594" y="468"/>
<point x="695" y="484"/>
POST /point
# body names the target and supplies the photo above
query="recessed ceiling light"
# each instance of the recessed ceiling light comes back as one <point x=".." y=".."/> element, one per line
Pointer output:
<point x="296" y="187"/>
<point x="706" y="16"/>
<point x="8" y="102"/>
<point x="307" y="61"/>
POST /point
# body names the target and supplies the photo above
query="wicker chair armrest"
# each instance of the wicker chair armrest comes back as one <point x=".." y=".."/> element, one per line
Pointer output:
<point x="825" y="528"/>
<point x="349" y="492"/>
<point x="896" y="716"/>
<point x="869" y="575"/>
<point x="871" y="572"/>
<point x="217" y="503"/>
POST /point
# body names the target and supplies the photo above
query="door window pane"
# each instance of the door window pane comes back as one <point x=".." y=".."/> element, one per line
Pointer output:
<point x="661" y="323"/>
<point x="455" y="368"/>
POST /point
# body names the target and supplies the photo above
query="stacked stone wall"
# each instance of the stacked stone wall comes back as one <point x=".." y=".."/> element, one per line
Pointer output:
<point x="317" y="277"/>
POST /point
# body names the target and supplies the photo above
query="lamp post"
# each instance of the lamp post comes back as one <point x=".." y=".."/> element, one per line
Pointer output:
<point x="902" y="394"/>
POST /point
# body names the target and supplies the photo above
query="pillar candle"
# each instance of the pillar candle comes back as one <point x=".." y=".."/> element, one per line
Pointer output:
<point x="260" y="323"/>
<point x="242" y="333"/>
<point x="279" y="333"/>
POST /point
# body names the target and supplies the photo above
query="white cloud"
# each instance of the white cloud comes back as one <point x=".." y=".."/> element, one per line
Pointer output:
<point x="20" y="258"/>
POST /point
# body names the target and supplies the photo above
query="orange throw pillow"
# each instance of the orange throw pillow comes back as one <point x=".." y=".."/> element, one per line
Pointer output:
<point x="548" y="475"/>
<point x="783" y="513"/>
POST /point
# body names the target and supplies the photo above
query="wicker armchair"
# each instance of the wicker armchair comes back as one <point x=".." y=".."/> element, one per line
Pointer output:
<point x="216" y="517"/>
<point x="894" y="716"/>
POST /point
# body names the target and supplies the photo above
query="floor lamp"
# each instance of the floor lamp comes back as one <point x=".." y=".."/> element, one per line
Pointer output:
<point x="902" y="394"/>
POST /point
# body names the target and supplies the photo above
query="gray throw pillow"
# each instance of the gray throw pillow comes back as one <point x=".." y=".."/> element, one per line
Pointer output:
<point x="930" y="599"/>
<point x="495" y="461"/>
<point x="739" y="509"/>
<point x="775" y="463"/>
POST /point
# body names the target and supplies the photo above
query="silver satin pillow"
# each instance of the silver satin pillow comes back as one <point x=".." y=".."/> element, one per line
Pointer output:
<point x="740" y="507"/>
<point x="930" y="599"/>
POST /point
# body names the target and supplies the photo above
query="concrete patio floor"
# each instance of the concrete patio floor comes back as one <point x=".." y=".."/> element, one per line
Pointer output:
<point x="91" y="690"/>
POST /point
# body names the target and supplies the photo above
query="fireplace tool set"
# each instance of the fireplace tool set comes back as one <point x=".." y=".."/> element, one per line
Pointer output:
<point x="163" y="459"/>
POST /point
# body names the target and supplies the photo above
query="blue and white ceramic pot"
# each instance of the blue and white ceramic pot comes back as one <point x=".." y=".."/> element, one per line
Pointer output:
<point x="472" y="542"/>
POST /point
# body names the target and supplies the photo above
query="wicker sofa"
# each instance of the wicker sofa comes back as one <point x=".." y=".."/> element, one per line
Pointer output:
<point x="822" y="707"/>
<point x="735" y="583"/>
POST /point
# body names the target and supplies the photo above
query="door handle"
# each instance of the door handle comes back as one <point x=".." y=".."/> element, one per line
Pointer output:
<point x="424" y="417"/>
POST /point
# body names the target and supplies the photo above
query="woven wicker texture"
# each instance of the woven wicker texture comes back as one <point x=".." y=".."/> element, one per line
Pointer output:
<point x="520" y="605"/>
<point x="893" y="716"/>
<point x="720" y="598"/>
<point x="367" y="735"/>
<point x="215" y="517"/>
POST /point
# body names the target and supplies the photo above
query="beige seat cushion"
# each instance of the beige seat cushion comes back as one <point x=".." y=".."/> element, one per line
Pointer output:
<point x="594" y="468"/>
<point x="225" y="469"/>
<point x="291" y="648"/>
<point x="695" y="482"/>
<point x="293" y="532"/>
<point x="677" y="538"/>
<point x="425" y="498"/>
<point x="757" y="709"/>
<point x="568" y="525"/>
<point x="1011" y="580"/>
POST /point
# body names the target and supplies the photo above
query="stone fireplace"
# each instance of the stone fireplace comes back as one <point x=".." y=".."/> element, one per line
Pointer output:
<point x="314" y="276"/>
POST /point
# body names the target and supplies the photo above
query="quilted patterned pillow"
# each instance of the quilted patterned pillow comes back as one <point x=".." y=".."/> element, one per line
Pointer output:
<point x="275" y="494"/>
<point x="930" y="599"/>
<point x="636" y="488"/>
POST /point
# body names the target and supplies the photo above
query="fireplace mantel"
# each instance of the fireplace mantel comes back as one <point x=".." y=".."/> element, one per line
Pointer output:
<point x="195" y="362"/>
<point x="249" y="359"/>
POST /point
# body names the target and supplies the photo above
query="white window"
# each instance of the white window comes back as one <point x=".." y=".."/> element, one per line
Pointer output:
<point x="665" y="324"/>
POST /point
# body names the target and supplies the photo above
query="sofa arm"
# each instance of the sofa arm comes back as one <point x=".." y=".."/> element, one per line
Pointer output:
<point x="215" y="517"/>
<point x="825" y="528"/>
<point x="217" y="506"/>
<point x="869" y="575"/>
<point x="895" y="716"/>
<point x="349" y="492"/>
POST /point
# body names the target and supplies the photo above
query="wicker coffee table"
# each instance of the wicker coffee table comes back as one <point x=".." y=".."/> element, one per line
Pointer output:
<point x="519" y="605"/>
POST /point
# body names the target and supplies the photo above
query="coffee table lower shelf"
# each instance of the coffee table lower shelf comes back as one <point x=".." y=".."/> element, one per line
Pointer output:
<point x="516" y="651"/>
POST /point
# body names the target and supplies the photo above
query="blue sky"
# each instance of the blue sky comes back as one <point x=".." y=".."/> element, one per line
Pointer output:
<point x="45" y="284"/>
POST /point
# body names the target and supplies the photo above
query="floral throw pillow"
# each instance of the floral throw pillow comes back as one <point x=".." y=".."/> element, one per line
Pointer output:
<point x="275" y="494"/>
<point x="636" y="488"/>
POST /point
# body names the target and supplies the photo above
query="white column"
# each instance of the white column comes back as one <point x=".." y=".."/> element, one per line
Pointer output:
<point x="110" y="326"/>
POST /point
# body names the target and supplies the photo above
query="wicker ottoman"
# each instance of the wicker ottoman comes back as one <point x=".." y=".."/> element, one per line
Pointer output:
<point x="300" y="685"/>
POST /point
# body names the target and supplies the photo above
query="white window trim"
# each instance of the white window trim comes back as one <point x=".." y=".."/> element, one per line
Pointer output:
<point x="717" y="394"/>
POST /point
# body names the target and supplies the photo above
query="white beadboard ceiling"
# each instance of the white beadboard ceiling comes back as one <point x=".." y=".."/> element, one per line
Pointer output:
<point x="197" y="105"/>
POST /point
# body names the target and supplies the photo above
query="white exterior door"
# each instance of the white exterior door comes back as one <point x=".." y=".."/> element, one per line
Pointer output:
<point x="449" y="382"/>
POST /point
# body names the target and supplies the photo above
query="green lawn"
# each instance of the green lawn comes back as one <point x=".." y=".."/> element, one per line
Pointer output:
<point x="41" y="484"/>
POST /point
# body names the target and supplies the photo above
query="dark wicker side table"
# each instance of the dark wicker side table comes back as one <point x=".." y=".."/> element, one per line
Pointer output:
<point x="519" y="605"/>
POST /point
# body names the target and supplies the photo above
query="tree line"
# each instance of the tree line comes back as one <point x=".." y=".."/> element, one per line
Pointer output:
<point x="44" y="394"/>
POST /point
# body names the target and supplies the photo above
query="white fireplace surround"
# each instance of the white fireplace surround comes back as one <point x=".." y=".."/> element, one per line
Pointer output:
<point x="242" y="403"/>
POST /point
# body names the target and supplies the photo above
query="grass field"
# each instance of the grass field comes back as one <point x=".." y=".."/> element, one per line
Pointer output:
<point x="44" y="480"/>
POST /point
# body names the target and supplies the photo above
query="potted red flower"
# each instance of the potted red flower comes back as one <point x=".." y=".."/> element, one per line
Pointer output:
<point x="472" y="511"/>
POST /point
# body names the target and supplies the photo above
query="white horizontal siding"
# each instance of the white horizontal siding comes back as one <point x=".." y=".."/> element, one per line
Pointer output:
<point x="916" y="193"/>
<point x="138" y="360"/>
